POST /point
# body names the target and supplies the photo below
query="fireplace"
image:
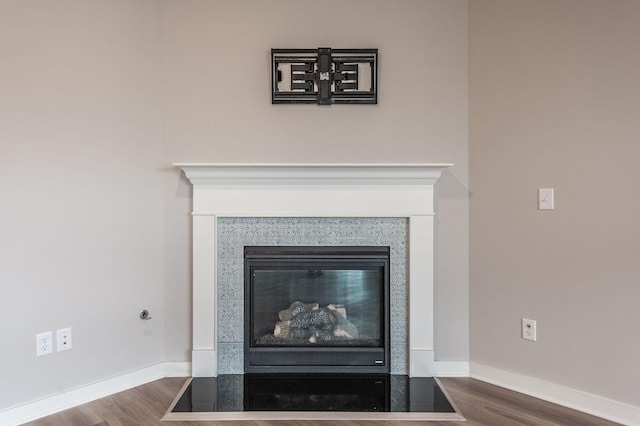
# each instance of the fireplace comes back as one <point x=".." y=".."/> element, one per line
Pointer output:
<point x="367" y="191"/>
<point x="316" y="309"/>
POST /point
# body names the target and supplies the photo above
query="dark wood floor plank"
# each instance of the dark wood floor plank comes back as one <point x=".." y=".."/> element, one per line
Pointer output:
<point x="482" y="404"/>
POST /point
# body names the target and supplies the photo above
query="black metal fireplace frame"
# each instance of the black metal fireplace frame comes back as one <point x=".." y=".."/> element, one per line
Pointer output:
<point x="317" y="359"/>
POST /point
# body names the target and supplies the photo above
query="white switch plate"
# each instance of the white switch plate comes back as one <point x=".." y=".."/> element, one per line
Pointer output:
<point x="545" y="199"/>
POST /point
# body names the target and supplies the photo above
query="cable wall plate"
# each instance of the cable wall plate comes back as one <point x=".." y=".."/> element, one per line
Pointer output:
<point x="324" y="76"/>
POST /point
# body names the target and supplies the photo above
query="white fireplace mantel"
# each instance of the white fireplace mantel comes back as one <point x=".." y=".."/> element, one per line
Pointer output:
<point x="313" y="190"/>
<point x="314" y="174"/>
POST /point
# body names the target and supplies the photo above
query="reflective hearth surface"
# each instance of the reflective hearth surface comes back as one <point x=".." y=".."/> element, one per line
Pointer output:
<point x="313" y="392"/>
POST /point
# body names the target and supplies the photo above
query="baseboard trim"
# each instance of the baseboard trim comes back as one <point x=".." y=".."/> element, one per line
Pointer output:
<point x="557" y="394"/>
<point x="451" y="369"/>
<point x="72" y="398"/>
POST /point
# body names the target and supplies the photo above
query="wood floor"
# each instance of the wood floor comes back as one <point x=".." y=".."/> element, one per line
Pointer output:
<point x="480" y="403"/>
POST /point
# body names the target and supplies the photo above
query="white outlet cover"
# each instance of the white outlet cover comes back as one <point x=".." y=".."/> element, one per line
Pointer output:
<point x="64" y="339"/>
<point x="44" y="343"/>
<point x="529" y="329"/>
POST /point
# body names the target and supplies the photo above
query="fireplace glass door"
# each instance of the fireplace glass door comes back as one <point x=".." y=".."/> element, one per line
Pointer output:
<point x="316" y="309"/>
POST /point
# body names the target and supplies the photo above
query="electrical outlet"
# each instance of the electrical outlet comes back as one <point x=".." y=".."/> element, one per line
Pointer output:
<point x="529" y="329"/>
<point x="64" y="339"/>
<point x="44" y="343"/>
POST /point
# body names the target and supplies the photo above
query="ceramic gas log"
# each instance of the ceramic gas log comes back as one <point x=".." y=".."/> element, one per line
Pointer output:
<point x="315" y="324"/>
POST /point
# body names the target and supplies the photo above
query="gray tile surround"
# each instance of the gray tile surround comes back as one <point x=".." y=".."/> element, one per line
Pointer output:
<point x="236" y="233"/>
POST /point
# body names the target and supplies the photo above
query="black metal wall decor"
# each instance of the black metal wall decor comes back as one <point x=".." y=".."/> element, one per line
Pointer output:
<point x="324" y="76"/>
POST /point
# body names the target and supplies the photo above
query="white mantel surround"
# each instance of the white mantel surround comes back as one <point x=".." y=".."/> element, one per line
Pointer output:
<point x="314" y="190"/>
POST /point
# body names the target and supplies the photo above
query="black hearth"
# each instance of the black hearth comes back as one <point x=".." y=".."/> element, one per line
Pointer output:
<point x="324" y="393"/>
<point x="316" y="309"/>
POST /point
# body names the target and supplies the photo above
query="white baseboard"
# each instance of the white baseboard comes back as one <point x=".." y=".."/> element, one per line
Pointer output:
<point x="177" y="369"/>
<point x="451" y="369"/>
<point x="572" y="398"/>
<point x="62" y="401"/>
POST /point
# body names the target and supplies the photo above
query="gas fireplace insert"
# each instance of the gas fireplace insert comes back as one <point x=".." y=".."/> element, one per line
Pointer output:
<point x="316" y="309"/>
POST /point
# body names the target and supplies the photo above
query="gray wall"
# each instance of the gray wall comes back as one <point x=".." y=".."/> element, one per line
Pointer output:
<point x="81" y="217"/>
<point x="97" y="99"/>
<point x="555" y="102"/>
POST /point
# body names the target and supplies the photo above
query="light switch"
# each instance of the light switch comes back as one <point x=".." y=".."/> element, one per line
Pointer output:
<point x="545" y="199"/>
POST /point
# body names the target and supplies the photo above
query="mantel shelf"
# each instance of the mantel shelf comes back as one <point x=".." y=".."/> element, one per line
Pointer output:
<point x="313" y="173"/>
